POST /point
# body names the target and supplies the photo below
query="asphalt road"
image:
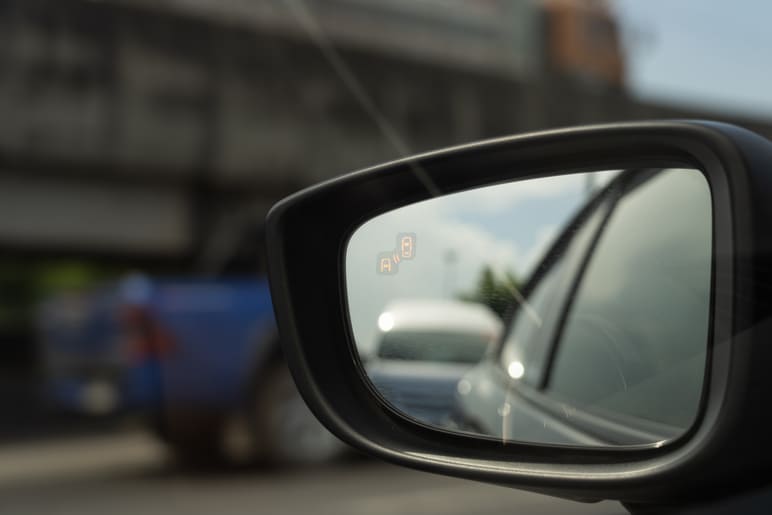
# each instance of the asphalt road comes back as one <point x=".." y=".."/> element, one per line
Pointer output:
<point x="129" y="473"/>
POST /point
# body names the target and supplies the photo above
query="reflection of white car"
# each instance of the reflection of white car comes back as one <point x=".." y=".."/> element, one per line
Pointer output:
<point x="424" y="347"/>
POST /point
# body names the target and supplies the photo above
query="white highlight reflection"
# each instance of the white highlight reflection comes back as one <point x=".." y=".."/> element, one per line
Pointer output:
<point x="516" y="370"/>
<point x="386" y="322"/>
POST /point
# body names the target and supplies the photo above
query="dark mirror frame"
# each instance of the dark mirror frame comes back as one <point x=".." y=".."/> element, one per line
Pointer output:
<point x="307" y="235"/>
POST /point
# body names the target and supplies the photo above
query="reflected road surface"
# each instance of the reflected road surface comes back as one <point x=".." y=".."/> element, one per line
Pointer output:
<point x="129" y="473"/>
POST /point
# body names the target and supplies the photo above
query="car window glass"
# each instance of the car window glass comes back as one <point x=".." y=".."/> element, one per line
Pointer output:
<point x="526" y="343"/>
<point x="634" y="341"/>
<point x="527" y="325"/>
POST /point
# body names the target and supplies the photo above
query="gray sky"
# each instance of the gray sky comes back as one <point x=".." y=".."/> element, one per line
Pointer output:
<point x="707" y="53"/>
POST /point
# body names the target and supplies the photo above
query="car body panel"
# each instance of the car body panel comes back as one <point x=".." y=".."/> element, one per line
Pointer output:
<point x="209" y="335"/>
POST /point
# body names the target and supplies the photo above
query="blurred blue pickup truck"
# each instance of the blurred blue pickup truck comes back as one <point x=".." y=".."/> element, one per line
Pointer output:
<point x="198" y="358"/>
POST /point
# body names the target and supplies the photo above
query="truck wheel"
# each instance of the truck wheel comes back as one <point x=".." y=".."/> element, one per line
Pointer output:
<point x="192" y="440"/>
<point x="286" y="432"/>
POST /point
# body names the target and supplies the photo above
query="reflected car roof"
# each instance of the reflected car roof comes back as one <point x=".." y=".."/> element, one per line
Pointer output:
<point x="433" y="314"/>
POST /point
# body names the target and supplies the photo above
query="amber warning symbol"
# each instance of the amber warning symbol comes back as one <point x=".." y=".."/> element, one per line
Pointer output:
<point x="387" y="265"/>
<point x="406" y="245"/>
<point x="388" y="262"/>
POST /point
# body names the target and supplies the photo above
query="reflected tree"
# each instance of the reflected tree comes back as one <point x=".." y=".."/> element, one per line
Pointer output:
<point x="498" y="292"/>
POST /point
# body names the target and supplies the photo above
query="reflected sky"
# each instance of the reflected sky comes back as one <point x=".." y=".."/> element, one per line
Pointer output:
<point x="705" y="53"/>
<point x="506" y="227"/>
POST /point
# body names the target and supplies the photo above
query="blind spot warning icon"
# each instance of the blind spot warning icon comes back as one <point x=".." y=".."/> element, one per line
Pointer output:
<point x="406" y="245"/>
<point x="386" y="264"/>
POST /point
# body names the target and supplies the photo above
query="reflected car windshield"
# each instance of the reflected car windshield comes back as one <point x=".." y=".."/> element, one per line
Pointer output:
<point x="443" y="347"/>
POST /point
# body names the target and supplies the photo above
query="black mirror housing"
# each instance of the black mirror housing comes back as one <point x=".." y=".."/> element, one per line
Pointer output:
<point x="723" y="452"/>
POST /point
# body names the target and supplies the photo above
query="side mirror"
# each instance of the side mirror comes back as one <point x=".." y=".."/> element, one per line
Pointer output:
<point x="579" y="312"/>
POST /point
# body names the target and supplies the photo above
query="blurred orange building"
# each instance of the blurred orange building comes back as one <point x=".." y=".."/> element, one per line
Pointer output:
<point x="582" y="39"/>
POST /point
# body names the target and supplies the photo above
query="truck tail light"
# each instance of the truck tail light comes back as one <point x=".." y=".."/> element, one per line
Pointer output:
<point x="146" y="339"/>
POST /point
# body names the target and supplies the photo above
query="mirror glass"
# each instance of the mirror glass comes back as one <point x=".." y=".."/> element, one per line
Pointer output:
<point x="569" y="310"/>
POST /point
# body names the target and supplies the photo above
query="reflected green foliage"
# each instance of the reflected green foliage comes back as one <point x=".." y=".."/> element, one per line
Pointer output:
<point x="496" y="292"/>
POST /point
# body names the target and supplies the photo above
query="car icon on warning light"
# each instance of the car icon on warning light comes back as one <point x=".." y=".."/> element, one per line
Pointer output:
<point x="388" y="263"/>
<point x="406" y="245"/>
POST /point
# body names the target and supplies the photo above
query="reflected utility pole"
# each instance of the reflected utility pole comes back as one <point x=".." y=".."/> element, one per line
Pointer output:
<point x="450" y="258"/>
